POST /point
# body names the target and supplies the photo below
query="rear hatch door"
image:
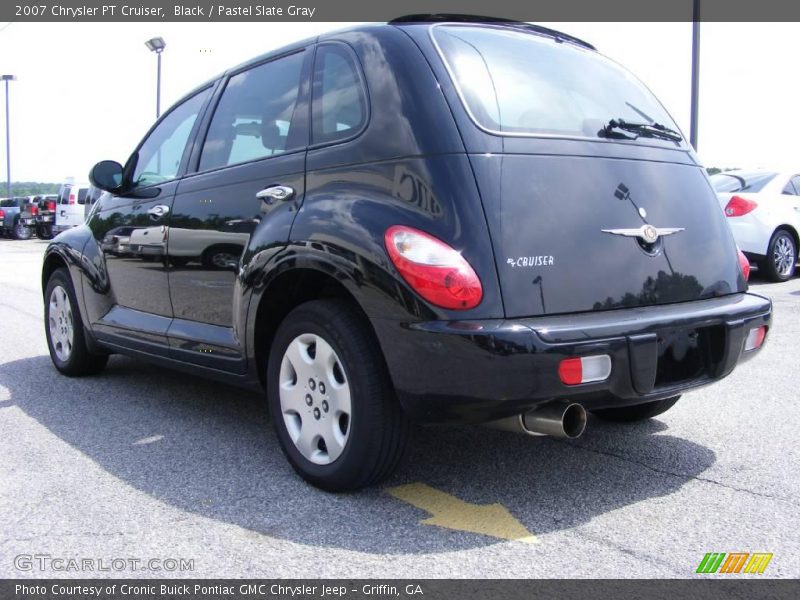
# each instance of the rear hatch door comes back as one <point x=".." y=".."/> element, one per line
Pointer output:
<point x="592" y="198"/>
<point x="574" y="233"/>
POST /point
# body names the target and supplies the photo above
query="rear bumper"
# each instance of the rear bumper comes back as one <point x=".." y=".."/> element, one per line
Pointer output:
<point x="474" y="371"/>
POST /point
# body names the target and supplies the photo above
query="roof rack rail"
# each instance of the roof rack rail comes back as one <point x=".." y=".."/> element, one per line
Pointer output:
<point x="521" y="25"/>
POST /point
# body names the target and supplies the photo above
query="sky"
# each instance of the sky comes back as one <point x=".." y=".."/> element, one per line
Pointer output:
<point x="86" y="91"/>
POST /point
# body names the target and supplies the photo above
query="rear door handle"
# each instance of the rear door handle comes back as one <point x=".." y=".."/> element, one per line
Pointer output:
<point x="275" y="192"/>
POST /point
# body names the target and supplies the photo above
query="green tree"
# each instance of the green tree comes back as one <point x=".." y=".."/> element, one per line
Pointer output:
<point x="32" y="188"/>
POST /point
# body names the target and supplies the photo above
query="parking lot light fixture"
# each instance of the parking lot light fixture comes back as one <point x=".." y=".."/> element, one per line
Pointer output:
<point x="157" y="45"/>
<point x="7" y="79"/>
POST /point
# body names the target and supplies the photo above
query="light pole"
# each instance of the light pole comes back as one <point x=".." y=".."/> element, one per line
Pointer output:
<point x="157" y="45"/>
<point x="6" y="79"/>
<point x="695" y="102"/>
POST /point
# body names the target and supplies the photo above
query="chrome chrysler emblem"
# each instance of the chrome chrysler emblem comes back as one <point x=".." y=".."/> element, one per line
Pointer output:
<point x="646" y="232"/>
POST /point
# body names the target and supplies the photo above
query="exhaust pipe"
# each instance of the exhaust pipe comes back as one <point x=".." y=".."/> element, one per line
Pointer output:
<point x="559" y="419"/>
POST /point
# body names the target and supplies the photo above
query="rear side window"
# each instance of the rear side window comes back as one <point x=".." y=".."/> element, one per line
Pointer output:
<point x="740" y="182"/>
<point x="339" y="108"/>
<point x="253" y="119"/>
<point x="521" y="83"/>
<point x="82" y="195"/>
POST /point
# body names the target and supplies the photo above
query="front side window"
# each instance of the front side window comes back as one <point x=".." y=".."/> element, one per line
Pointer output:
<point x="254" y="117"/>
<point x="160" y="155"/>
<point x="521" y="83"/>
<point x="339" y="105"/>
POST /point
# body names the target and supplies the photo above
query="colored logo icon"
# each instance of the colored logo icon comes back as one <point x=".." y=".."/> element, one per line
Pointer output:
<point x="734" y="562"/>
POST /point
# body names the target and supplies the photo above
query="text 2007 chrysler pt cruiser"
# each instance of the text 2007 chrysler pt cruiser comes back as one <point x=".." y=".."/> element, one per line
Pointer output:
<point x="435" y="219"/>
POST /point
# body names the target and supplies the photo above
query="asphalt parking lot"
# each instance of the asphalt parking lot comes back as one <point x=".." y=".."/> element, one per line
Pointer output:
<point x="141" y="462"/>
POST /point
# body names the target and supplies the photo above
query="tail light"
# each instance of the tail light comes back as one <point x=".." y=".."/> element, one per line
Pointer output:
<point x="738" y="206"/>
<point x="584" y="369"/>
<point x="71" y="199"/>
<point x="34" y="210"/>
<point x="2" y="214"/>
<point x="50" y="205"/>
<point x="433" y="269"/>
<point x="744" y="265"/>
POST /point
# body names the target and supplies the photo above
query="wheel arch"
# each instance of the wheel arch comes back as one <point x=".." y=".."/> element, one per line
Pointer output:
<point x="288" y="289"/>
<point x="791" y="230"/>
<point x="52" y="261"/>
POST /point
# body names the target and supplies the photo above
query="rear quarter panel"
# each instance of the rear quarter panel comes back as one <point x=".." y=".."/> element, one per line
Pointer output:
<point x="408" y="167"/>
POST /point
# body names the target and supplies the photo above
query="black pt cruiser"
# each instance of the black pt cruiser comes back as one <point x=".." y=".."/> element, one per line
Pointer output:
<point x="437" y="219"/>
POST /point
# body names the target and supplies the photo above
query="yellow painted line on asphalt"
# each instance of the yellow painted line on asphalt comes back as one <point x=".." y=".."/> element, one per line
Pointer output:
<point x="493" y="520"/>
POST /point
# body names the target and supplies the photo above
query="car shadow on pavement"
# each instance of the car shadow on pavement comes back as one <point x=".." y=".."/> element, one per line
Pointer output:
<point x="209" y="449"/>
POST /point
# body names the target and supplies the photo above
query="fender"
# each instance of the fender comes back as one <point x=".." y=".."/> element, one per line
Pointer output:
<point x="67" y="248"/>
<point x="362" y="278"/>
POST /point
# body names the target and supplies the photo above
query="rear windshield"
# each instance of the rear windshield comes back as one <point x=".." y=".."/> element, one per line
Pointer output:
<point x="82" y="195"/>
<point x="522" y="83"/>
<point x="741" y="182"/>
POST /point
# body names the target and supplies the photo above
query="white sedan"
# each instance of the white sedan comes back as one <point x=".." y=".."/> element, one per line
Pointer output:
<point x="763" y="210"/>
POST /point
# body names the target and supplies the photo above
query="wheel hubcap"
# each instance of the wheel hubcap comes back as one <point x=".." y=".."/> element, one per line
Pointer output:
<point x="315" y="398"/>
<point x="783" y="256"/>
<point x="223" y="260"/>
<point x="59" y="318"/>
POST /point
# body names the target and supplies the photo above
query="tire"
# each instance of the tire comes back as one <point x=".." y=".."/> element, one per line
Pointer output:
<point x="44" y="232"/>
<point x="781" y="256"/>
<point x="20" y="232"/>
<point x="367" y="441"/>
<point x="637" y="412"/>
<point x="66" y="339"/>
<point x="179" y="261"/>
<point x="221" y="258"/>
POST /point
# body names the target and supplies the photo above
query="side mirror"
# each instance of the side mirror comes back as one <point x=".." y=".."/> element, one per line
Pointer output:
<point x="107" y="175"/>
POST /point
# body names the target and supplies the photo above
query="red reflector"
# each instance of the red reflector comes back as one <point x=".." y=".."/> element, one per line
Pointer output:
<point x="584" y="369"/>
<point x="744" y="264"/>
<point x="738" y="206"/>
<point x="570" y="371"/>
<point x="755" y="338"/>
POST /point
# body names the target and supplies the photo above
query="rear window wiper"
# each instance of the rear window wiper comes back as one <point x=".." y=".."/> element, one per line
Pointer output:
<point x="615" y="127"/>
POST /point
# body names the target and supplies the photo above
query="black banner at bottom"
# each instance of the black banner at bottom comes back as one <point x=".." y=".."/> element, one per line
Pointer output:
<point x="423" y="589"/>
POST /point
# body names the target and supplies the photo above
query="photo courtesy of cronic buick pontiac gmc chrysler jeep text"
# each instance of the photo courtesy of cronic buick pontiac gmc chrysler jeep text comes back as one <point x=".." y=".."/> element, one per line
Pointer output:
<point x="438" y="219"/>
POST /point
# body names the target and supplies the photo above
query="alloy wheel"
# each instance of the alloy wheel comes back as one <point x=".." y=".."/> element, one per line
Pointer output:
<point x="783" y="256"/>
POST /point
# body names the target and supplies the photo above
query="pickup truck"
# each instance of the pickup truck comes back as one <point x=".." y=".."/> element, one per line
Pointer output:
<point x="17" y="218"/>
<point x="46" y="215"/>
